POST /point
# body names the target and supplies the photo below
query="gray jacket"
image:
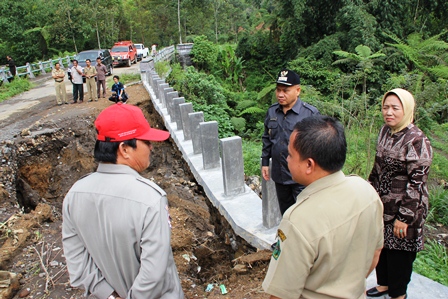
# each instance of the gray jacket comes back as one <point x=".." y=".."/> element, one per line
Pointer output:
<point x="116" y="236"/>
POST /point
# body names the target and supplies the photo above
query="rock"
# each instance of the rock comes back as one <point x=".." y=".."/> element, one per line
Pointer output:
<point x="23" y="293"/>
<point x="9" y="284"/>
<point x="25" y="132"/>
<point x="240" y="269"/>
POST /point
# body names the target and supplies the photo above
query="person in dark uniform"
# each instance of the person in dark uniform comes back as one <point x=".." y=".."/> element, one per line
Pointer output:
<point x="278" y="126"/>
<point x="12" y="67"/>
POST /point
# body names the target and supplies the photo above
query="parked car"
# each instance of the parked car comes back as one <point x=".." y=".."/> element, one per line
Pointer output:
<point x="106" y="59"/>
<point x="142" y="52"/>
<point x="124" y="53"/>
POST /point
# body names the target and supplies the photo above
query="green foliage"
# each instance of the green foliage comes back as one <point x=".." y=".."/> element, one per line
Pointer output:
<point x="314" y="73"/>
<point x="428" y="55"/>
<point x="162" y="68"/>
<point x="230" y="65"/>
<point x="16" y="87"/>
<point x="239" y="124"/>
<point x="204" y="53"/>
<point x="438" y="206"/>
<point x="359" y="26"/>
<point x="214" y="112"/>
<point x="251" y="156"/>
<point x="432" y="262"/>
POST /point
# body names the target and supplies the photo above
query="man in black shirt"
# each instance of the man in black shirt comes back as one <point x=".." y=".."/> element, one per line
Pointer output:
<point x="278" y="126"/>
<point x="12" y="67"/>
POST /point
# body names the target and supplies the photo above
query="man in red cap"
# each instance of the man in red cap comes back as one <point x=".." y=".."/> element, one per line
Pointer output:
<point x="116" y="230"/>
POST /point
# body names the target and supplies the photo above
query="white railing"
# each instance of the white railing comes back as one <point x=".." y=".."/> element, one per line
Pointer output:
<point x="30" y="69"/>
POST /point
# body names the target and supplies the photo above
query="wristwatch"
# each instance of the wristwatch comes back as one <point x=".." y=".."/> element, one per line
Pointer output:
<point x="114" y="295"/>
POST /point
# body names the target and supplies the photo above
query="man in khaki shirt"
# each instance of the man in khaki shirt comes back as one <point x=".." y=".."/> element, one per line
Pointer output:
<point x="58" y="75"/>
<point x="90" y="74"/>
<point x="330" y="240"/>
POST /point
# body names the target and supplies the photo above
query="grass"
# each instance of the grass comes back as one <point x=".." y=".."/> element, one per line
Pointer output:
<point x="432" y="262"/>
<point x="16" y="87"/>
<point x="438" y="206"/>
<point x="124" y="78"/>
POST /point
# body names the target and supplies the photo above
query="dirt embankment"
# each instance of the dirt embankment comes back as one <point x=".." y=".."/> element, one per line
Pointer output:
<point x="50" y="149"/>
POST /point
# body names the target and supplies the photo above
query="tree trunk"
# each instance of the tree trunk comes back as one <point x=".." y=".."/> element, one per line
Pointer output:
<point x="178" y="21"/>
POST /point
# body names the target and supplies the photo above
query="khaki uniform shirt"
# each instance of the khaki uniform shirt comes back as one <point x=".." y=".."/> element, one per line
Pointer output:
<point x="59" y="72"/>
<point x="326" y="241"/>
<point x="89" y="72"/>
<point x="116" y="236"/>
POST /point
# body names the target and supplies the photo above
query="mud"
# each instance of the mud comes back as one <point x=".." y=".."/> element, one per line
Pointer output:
<point x="46" y="149"/>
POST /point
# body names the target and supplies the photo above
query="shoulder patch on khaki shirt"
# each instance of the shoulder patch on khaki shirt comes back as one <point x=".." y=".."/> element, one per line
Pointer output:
<point x="281" y="235"/>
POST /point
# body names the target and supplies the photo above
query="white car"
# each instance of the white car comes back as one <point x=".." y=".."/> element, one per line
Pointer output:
<point x="142" y="52"/>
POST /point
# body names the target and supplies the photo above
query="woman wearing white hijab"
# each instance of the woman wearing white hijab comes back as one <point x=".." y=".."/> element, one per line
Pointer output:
<point x="399" y="175"/>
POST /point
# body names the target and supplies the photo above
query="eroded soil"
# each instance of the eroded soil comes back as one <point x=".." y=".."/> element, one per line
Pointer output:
<point x="46" y="149"/>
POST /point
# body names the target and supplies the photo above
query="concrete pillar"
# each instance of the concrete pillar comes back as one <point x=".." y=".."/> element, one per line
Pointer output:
<point x="165" y="91"/>
<point x="153" y="80"/>
<point x="3" y="75"/>
<point x="169" y="102"/>
<point x="185" y="109"/>
<point x="161" y="94"/>
<point x="232" y="165"/>
<point x="209" y="144"/>
<point x="195" y="119"/>
<point x="158" y="83"/>
<point x="176" y="108"/>
<point x="41" y="67"/>
<point x="29" y="70"/>
<point x="270" y="207"/>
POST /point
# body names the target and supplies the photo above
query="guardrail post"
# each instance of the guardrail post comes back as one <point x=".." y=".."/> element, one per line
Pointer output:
<point x="232" y="165"/>
<point x="68" y="60"/>
<point x="3" y="75"/>
<point x="164" y="97"/>
<point x="51" y="64"/>
<point x="60" y="62"/>
<point x="161" y="91"/>
<point x="185" y="109"/>
<point x="41" y="67"/>
<point x="269" y="206"/>
<point x="195" y="119"/>
<point x="29" y="71"/>
<point x="158" y="82"/>
<point x="169" y="103"/>
<point x="210" y="144"/>
<point x="176" y="109"/>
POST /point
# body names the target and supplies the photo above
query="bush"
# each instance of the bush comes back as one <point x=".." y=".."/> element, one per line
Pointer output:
<point x="204" y="53"/>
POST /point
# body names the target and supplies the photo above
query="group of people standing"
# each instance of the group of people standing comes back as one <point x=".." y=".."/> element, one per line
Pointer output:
<point x="335" y="229"/>
<point x="95" y="77"/>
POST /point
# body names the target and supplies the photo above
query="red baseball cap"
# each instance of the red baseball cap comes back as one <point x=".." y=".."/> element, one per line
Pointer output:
<point x="121" y="122"/>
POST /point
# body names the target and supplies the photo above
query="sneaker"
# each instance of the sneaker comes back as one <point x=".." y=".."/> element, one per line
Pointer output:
<point x="96" y="100"/>
<point x="90" y="100"/>
<point x="74" y="102"/>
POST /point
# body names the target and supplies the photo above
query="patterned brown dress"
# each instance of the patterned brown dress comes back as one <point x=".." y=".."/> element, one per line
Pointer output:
<point x="400" y="175"/>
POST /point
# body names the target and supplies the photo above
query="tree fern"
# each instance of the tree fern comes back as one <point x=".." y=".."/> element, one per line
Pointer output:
<point x="252" y="110"/>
